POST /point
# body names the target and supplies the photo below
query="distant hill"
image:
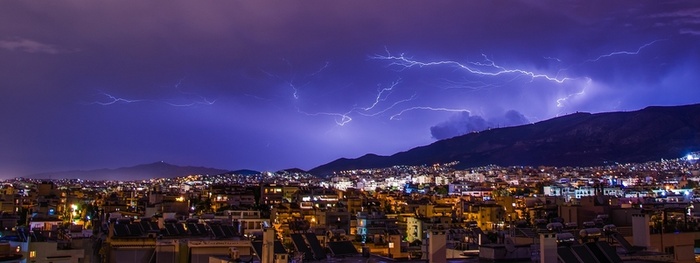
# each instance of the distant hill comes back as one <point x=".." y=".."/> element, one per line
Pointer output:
<point x="292" y="171"/>
<point x="243" y="172"/>
<point x="138" y="172"/>
<point x="580" y="139"/>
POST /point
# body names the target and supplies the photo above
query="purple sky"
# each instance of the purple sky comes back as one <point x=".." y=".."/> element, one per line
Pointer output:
<point x="270" y="85"/>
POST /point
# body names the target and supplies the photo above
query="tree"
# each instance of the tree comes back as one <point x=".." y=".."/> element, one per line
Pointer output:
<point x="501" y="192"/>
<point x="442" y="190"/>
<point x="202" y="206"/>
<point x="23" y="214"/>
<point x="388" y="209"/>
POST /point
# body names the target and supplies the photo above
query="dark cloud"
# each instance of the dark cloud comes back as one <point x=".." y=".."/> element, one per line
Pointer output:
<point x="459" y="124"/>
<point x="514" y="118"/>
<point x="463" y="123"/>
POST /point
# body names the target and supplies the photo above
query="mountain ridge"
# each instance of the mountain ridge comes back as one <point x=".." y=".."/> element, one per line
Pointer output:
<point x="578" y="139"/>
<point x="130" y="173"/>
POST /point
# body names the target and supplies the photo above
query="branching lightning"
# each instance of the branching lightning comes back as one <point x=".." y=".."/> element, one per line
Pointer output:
<point x="491" y="73"/>
<point x="325" y="66"/>
<point x="395" y="116"/>
<point x="344" y="117"/>
<point x="486" y="68"/>
<point x="295" y="94"/>
<point x="552" y="58"/>
<point x="388" y="108"/>
<point x="201" y="101"/>
<point x="467" y="85"/>
<point x="560" y="101"/>
<point x="290" y="83"/>
<point x="611" y="54"/>
<point x="496" y="70"/>
<point x="380" y="93"/>
<point x="341" y="118"/>
<point x="623" y="52"/>
<point x="191" y="99"/>
<point x="113" y="100"/>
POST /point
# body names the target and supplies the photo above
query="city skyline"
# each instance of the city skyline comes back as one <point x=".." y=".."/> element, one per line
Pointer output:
<point x="272" y="85"/>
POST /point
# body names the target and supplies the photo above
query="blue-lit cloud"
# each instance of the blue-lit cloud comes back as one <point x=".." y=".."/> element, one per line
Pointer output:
<point x="463" y="123"/>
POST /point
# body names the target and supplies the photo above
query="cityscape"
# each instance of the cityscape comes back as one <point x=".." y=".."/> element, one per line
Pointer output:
<point x="360" y="131"/>
<point x="389" y="214"/>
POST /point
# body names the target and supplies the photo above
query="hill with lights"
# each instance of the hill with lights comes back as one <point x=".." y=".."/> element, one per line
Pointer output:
<point x="138" y="172"/>
<point x="580" y="139"/>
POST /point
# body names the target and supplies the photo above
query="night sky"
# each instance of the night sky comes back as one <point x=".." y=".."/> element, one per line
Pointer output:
<point x="269" y="85"/>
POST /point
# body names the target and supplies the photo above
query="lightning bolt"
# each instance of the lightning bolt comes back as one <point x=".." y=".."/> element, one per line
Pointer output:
<point x="562" y="100"/>
<point x="256" y="97"/>
<point x="295" y="94"/>
<point x="113" y="100"/>
<point x="189" y="99"/>
<point x="340" y="118"/>
<point x="623" y="52"/>
<point x="388" y="108"/>
<point x="481" y="68"/>
<point x="343" y="118"/>
<point x="611" y="54"/>
<point x="202" y="101"/>
<point x="467" y="85"/>
<point x="395" y="116"/>
<point x="552" y="58"/>
<point x="487" y="68"/>
<point x="291" y="81"/>
<point x="379" y="98"/>
<point x="179" y="82"/>
<point x="374" y="108"/>
<point x="384" y="102"/>
<point x="325" y="66"/>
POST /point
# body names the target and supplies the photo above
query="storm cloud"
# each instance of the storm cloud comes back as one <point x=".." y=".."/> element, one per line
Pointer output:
<point x="463" y="123"/>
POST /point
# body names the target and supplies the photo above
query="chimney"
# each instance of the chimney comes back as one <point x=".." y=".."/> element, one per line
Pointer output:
<point x="437" y="247"/>
<point x="640" y="229"/>
<point x="548" y="248"/>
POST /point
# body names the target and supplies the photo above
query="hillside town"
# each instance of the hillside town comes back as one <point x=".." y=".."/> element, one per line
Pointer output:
<point x="435" y="213"/>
